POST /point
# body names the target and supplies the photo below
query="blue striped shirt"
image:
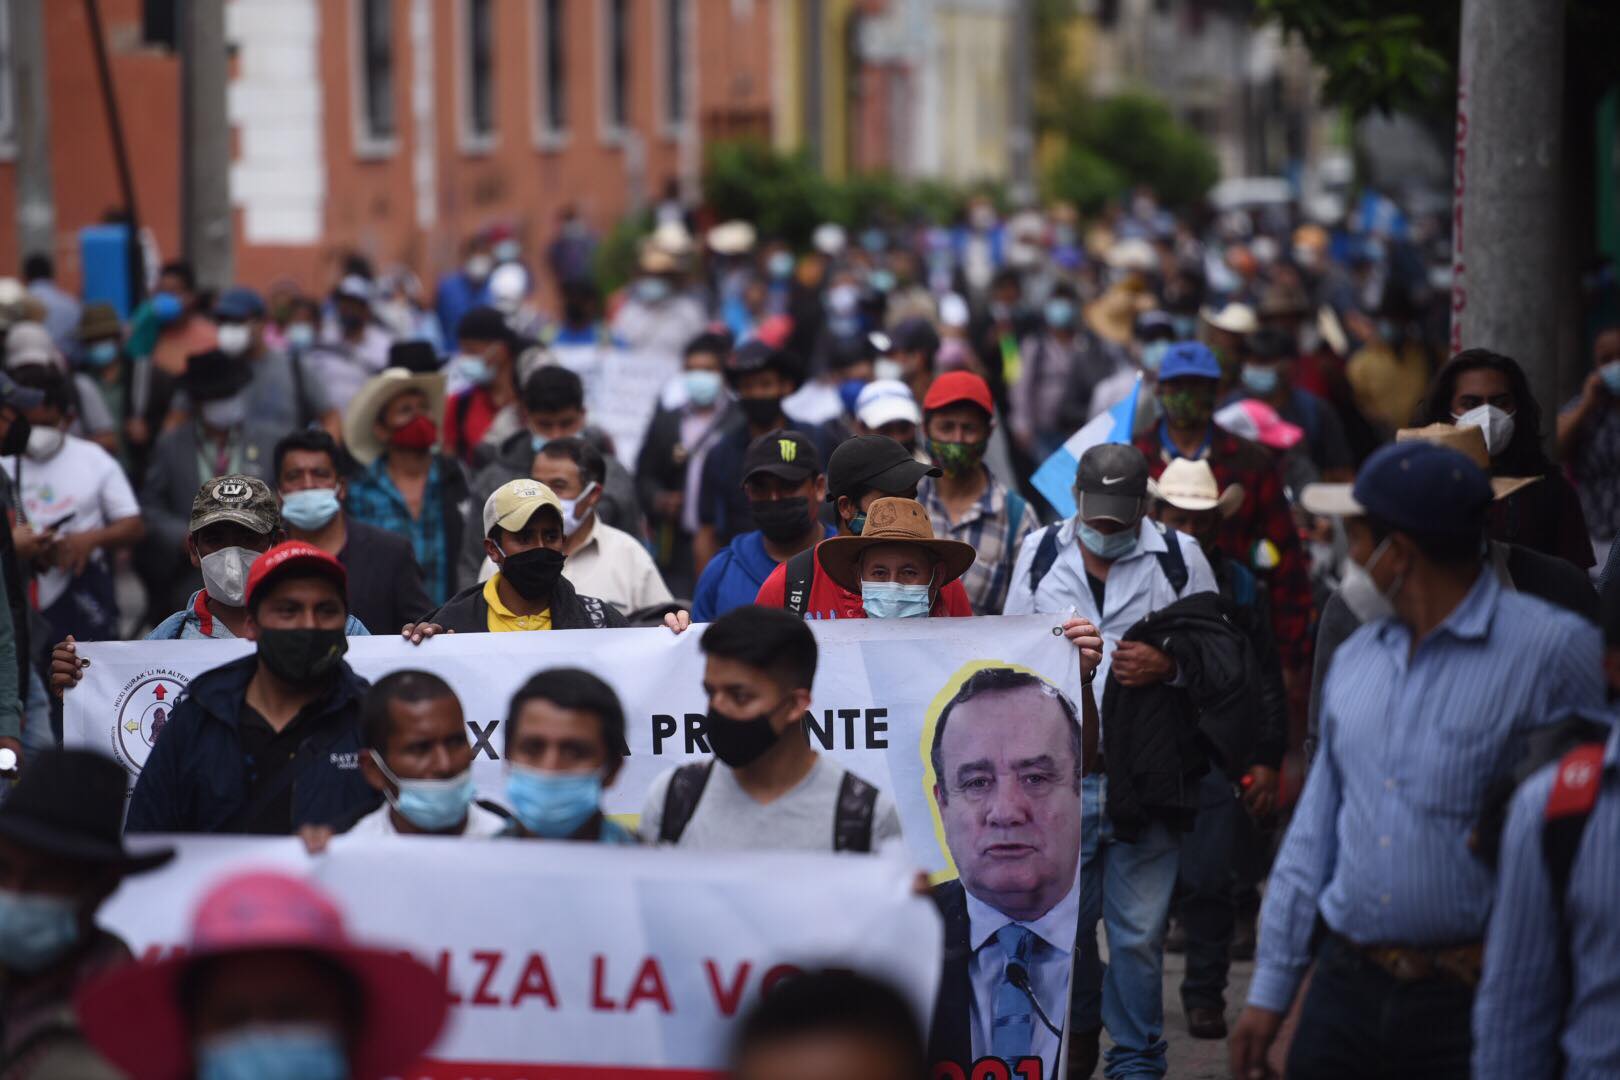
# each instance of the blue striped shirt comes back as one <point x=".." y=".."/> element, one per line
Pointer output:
<point x="1410" y="742"/>
<point x="1531" y="1008"/>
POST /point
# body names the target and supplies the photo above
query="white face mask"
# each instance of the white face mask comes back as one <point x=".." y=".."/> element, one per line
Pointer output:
<point x="573" y="518"/>
<point x="234" y="338"/>
<point x="1361" y="593"/>
<point x="225" y="574"/>
<point x="1496" y="424"/>
<point x="225" y="413"/>
<point x="44" y="442"/>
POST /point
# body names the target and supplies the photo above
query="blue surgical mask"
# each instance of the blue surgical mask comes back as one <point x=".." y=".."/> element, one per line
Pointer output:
<point x="472" y="369"/>
<point x="508" y="251"/>
<point x="310" y="508"/>
<point x="433" y="805"/>
<point x="553" y="805"/>
<point x="1108" y="546"/>
<point x="857" y="524"/>
<point x="702" y="387"/>
<point x="537" y="443"/>
<point x="780" y="265"/>
<point x="881" y="280"/>
<point x="1060" y="312"/>
<point x="1611" y="376"/>
<point x="225" y="413"/>
<point x="166" y="308"/>
<point x="273" y="1052"/>
<point x="101" y="354"/>
<point x="1153" y="355"/>
<point x="892" y="600"/>
<point x="301" y="335"/>
<point x="36" y="929"/>
<point x="652" y="290"/>
<point x="1260" y="379"/>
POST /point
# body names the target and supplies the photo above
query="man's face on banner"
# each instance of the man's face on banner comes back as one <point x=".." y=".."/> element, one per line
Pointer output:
<point x="1009" y="798"/>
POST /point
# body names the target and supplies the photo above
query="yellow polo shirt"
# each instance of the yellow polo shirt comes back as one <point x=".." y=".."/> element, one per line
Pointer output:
<point x="502" y="618"/>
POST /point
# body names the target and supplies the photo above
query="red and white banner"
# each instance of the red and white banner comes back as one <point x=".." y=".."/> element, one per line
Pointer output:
<point x="578" y="960"/>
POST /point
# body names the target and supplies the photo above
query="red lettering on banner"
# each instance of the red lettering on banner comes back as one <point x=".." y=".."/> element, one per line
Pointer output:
<point x="989" y="1068"/>
<point x="1028" y="1068"/>
<point x="599" y="1001"/>
<point x="491" y="961"/>
<point x="535" y="982"/>
<point x="727" y="998"/>
<point x="948" y="1070"/>
<point x="649" y="987"/>
<point x="776" y="975"/>
<point x="441" y="968"/>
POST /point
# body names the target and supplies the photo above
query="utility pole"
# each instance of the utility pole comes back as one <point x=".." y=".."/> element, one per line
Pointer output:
<point x="1507" y="269"/>
<point x="205" y="154"/>
<point x="1021" y="104"/>
<point x="36" y="205"/>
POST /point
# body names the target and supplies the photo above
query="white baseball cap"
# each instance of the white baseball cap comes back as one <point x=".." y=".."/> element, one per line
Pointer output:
<point x="886" y="401"/>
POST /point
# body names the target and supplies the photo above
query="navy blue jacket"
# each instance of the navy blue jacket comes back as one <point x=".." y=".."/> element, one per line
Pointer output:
<point x="195" y="779"/>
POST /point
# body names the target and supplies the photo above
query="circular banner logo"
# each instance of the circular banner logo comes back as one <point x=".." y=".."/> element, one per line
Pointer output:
<point x="140" y="712"/>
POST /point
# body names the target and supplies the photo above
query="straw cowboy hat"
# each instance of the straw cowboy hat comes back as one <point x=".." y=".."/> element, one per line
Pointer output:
<point x="1112" y="316"/>
<point x="1469" y="442"/>
<point x="359" y="423"/>
<point x="135" y="1018"/>
<point x="1189" y="484"/>
<point x="893" y="521"/>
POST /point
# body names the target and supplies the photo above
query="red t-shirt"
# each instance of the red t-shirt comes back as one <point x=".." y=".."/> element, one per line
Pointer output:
<point x="830" y="600"/>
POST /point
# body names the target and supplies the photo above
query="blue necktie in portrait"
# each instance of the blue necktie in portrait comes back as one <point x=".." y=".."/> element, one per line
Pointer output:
<point x="1012" y="1026"/>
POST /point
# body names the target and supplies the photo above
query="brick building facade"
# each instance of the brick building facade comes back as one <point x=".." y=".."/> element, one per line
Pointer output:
<point x="398" y="128"/>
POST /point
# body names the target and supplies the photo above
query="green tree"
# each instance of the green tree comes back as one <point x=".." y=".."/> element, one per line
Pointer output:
<point x="1116" y="143"/>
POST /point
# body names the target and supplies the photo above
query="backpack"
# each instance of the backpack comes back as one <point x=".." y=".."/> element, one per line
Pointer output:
<point x="852" y="820"/>
<point x="1171" y="561"/>
<point x="801" y="571"/>
<point x="1576" y="744"/>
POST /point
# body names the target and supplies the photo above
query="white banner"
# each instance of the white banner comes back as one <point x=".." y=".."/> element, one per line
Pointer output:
<point x="578" y="960"/>
<point x="878" y="687"/>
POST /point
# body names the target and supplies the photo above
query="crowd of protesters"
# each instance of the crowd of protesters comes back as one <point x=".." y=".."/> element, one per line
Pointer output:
<point x="1364" y="587"/>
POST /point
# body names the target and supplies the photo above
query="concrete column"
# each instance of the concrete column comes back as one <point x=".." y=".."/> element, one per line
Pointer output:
<point x="1021" y="104"/>
<point x="1508" y="270"/>
<point x="36" y="205"/>
<point x="205" y="156"/>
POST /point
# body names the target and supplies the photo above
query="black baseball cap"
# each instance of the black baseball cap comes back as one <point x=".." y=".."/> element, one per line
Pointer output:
<point x="752" y="356"/>
<point x="873" y="461"/>
<point x="916" y="334"/>
<point x="1112" y="483"/>
<point x="782" y="453"/>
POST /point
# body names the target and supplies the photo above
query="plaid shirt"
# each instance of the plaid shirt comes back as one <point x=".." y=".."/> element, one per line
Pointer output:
<point x="993" y="536"/>
<point x="1261" y="534"/>
<point x="375" y="500"/>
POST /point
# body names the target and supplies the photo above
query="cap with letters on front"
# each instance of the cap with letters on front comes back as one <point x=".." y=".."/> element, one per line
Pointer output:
<point x="514" y="503"/>
<point x="1111" y="483"/>
<point x="244" y="500"/>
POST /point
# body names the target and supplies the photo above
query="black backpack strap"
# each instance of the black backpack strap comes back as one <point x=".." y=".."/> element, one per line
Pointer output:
<point x="463" y="409"/>
<point x="594" y="611"/>
<point x="306" y="415"/>
<point x="1046" y="553"/>
<point x="1569" y="807"/>
<point x="801" y="570"/>
<point x="1171" y="560"/>
<point x="681" y="799"/>
<point x="852" y="821"/>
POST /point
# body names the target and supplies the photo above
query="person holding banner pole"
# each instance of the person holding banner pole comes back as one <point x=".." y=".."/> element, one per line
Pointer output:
<point x="270" y="742"/>
<point x="766" y="788"/>
<point x="565" y="742"/>
<point x="1111" y="566"/>
<point x="60" y="859"/>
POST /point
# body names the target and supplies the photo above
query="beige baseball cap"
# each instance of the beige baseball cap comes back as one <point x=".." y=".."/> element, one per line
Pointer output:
<point x="514" y="503"/>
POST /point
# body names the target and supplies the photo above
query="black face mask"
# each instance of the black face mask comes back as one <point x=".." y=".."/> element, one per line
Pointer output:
<point x="299" y="656"/>
<point x="761" y="410"/>
<point x="781" y="520"/>
<point x="533" y="573"/>
<point x="16" y="440"/>
<point x="740" y="743"/>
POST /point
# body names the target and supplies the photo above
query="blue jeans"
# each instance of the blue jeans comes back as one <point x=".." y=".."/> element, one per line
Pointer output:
<point x="1128" y="886"/>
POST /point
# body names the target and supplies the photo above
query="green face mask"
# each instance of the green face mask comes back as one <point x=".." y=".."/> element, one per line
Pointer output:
<point x="956" y="458"/>
<point x="1186" y="409"/>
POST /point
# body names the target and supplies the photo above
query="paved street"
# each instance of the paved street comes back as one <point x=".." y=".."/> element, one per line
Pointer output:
<point x="1190" y="1058"/>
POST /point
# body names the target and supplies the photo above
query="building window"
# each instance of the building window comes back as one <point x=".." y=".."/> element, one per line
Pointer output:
<point x="479" y="47"/>
<point x="8" y="112"/>
<point x="553" y="68"/>
<point x="375" y="34"/>
<point x="616" y="113"/>
<point x="676" y="63"/>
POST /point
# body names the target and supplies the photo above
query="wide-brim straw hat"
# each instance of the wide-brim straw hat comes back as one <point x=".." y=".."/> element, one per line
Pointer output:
<point x="1189" y="484"/>
<point x="360" y="421"/>
<point x="1469" y="442"/>
<point x="893" y="521"/>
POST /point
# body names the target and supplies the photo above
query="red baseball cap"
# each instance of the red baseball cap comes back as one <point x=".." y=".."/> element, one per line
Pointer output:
<point x="295" y="554"/>
<point x="957" y="386"/>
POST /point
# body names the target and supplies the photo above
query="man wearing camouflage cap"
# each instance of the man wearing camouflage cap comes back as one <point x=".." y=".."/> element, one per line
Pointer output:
<point x="234" y="520"/>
